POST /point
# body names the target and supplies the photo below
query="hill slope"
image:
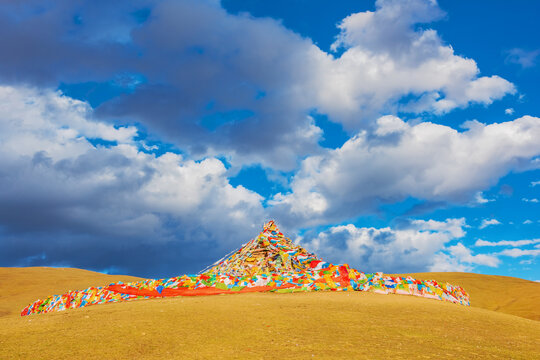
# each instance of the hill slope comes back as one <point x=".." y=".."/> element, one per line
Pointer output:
<point x="504" y="294"/>
<point x="258" y="325"/>
<point x="21" y="286"/>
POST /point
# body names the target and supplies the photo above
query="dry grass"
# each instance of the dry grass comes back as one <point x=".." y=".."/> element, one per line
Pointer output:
<point x="302" y="325"/>
<point x="22" y="286"/>
<point x="505" y="294"/>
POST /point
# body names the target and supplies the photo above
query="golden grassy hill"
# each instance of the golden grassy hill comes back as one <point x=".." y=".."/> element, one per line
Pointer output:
<point x="20" y="286"/>
<point x="266" y="325"/>
<point x="505" y="294"/>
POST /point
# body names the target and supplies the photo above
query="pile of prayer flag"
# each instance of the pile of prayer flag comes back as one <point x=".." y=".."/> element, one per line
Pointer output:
<point x="269" y="263"/>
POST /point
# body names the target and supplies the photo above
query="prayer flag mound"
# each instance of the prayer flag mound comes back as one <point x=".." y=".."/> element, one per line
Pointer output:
<point x="270" y="262"/>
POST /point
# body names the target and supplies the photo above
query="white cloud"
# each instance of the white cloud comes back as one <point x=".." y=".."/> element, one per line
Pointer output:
<point x="509" y="111"/>
<point x="426" y="161"/>
<point x="534" y="183"/>
<point x="42" y="120"/>
<point x="480" y="199"/>
<point x="488" y="222"/>
<point x="514" y="243"/>
<point x="53" y="180"/>
<point x="418" y="246"/>
<point x="534" y="200"/>
<point x="516" y="252"/>
<point x="149" y="147"/>
<point x="526" y="222"/>
<point x="453" y="227"/>
<point x="387" y="56"/>
<point x="387" y="125"/>
<point x="464" y="254"/>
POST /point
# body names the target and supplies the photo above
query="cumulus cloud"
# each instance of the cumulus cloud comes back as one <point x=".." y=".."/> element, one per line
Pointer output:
<point x="533" y="200"/>
<point x="509" y="111"/>
<point x="534" y="183"/>
<point x="488" y="222"/>
<point x="427" y="161"/>
<point x="464" y="254"/>
<point x="418" y="246"/>
<point x="67" y="201"/>
<point x="388" y="55"/>
<point x="252" y="79"/>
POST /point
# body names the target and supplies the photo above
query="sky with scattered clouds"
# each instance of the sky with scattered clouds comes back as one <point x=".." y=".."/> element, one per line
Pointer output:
<point x="151" y="137"/>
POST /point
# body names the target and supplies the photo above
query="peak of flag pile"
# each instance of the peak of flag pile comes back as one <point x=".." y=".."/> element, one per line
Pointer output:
<point x="270" y="262"/>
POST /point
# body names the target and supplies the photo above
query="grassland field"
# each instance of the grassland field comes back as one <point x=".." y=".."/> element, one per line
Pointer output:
<point x="503" y="322"/>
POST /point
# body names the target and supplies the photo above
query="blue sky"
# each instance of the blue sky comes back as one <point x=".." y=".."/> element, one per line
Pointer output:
<point x="152" y="137"/>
